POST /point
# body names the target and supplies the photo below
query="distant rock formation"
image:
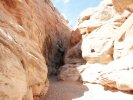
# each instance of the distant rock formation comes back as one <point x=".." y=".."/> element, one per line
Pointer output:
<point x="106" y="46"/>
<point x="33" y="35"/>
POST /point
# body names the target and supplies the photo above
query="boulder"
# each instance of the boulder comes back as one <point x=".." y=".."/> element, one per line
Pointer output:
<point x="74" y="55"/>
<point x="69" y="72"/>
<point x="75" y="38"/>
<point x="97" y="47"/>
<point x="73" y="60"/>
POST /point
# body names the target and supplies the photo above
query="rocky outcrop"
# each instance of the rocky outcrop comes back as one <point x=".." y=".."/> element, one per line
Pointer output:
<point x="113" y="51"/>
<point x="106" y="45"/>
<point x="75" y="38"/>
<point x="72" y="60"/>
<point x="33" y="35"/>
<point x="121" y="5"/>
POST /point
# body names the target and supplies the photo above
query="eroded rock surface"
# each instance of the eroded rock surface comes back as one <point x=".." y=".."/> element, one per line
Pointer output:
<point x="32" y="36"/>
<point x="106" y="45"/>
<point x="35" y="38"/>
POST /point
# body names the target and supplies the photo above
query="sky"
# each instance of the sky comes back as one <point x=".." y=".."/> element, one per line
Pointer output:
<point x="71" y="9"/>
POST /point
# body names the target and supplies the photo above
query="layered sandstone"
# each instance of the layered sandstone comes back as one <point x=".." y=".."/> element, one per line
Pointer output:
<point x="106" y="46"/>
<point x="32" y="36"/>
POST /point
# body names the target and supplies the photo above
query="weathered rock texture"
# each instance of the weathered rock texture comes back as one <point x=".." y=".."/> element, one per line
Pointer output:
<point x="106" y="45"/>
<point x="73" y="58"/>
<point x="121" y="5"/>
<point x="33" y="35"/>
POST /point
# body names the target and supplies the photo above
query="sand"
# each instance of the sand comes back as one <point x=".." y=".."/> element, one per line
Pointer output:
<point x="62" y="90"/>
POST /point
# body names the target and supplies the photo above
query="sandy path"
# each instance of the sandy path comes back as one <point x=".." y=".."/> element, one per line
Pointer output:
<point x="61" y="90"/>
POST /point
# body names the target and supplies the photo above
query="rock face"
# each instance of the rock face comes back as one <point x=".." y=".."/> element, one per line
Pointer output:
<point x="32" y="36"/>
<point x="121" y="5"/>
<point x="75" y="38"/>
<point x="106" y="46"/>
<point x="73" y="59"/>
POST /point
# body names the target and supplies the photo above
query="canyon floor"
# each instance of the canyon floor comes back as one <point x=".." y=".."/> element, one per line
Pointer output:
<point x="65" y="90"/>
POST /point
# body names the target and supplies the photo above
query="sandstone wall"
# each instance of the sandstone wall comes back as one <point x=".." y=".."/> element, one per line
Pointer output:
<point x="33" y="35"/>
<point x="106" y="46"/>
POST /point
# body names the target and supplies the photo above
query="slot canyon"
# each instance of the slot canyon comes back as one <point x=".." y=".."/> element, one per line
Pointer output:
<point x="43" y="58"/>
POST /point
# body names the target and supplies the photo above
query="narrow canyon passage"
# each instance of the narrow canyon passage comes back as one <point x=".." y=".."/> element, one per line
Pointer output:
<point x="37" y="44"/>
<point x="94" y="42"/>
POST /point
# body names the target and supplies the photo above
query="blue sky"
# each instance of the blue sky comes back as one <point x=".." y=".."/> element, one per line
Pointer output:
<point x="71" y="9"/>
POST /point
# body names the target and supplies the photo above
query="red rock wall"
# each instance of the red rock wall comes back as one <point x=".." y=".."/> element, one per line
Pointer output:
<point x="32" y="33"/>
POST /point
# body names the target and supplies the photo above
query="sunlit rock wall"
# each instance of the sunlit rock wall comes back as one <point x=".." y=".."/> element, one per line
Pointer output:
<point x="106" y="46"/>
